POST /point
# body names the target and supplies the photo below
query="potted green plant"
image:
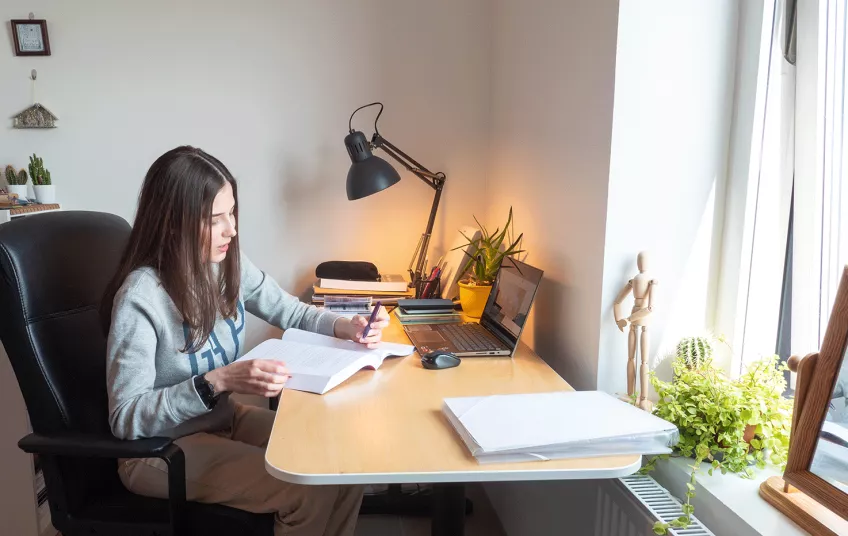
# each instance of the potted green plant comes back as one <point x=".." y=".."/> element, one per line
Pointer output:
<point x="17" y="182"/>
<point x="732" y="424"/>
<point x="45" y="192"/>
<point x="488" y="252"/>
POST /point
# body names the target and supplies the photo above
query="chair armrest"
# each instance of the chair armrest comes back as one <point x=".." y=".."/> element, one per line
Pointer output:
<point x="108" y="446"/>
<point x="97" y="446"/>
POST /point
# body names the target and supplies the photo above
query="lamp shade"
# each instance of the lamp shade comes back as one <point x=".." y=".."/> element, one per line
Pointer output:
<point x="368" y="174"/>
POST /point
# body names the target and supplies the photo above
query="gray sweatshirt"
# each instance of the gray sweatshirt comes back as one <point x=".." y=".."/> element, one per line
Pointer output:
<point x="151" y="391"/>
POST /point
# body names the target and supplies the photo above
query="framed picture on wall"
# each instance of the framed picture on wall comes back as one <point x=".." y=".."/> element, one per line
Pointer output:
<point x="30" y="38"/>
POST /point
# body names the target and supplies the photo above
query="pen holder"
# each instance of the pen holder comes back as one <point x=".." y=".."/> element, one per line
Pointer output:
<point x="428" y="288"/>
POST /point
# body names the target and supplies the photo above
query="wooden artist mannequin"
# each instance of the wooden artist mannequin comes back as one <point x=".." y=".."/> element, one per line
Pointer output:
<point x="642" y="287"/>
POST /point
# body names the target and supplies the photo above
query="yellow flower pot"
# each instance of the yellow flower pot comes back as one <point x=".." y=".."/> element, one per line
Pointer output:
<point x="473" y="298"/>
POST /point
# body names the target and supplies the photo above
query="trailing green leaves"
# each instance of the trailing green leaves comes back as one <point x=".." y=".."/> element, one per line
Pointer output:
<point x="713" y="414"/>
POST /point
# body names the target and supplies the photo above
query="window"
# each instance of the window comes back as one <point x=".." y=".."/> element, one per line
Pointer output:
<point x="820" y="222"/>
<point x="795" y="241"/>
<point x="759" y="193"/>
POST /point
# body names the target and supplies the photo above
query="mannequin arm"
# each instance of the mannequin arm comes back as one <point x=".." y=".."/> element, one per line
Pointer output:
<point x="651" y="284"/>
<point x="616" y="307"/>
<point x="640" y="314"/>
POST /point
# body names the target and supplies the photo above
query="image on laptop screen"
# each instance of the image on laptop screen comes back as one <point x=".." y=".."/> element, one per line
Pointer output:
<point x="511" y="298"/>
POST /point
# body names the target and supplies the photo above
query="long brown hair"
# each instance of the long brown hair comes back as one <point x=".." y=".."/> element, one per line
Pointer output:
<point x="171" y="235"/>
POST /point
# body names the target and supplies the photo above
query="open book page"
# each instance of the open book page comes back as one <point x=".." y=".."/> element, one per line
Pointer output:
<point x="318" y="363"/>
<point x="304" y="358"/>
<point x="386" y="349"/>
<point x="312" y="368"/>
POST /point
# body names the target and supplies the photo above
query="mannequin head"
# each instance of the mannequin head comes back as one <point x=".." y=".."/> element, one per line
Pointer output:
<point x="642" y="261"/>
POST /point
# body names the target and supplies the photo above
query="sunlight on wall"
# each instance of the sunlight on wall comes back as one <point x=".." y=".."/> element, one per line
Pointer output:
<point x="687" y="311"/>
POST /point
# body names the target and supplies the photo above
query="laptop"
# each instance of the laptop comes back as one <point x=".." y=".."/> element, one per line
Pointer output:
<point x="500" y="325"/>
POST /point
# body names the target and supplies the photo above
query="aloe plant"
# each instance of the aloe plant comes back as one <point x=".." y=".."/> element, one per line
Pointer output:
<point x="490" y="250"/>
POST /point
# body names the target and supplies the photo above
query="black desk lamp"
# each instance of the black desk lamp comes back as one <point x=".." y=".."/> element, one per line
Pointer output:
<point x="370" y="174"/>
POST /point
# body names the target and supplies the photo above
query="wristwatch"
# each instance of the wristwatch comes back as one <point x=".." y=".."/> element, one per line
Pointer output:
<point x="206" y="391"/>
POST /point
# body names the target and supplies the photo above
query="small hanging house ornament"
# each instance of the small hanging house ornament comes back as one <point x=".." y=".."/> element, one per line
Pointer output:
<point x="36" y="116"/>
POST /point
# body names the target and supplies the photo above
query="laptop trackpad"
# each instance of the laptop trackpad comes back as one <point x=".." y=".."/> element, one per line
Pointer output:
<point x="425" y="334"/>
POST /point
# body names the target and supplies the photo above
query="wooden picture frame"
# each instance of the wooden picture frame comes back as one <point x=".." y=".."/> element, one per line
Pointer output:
<point x="818" y="506"/>
<point x="30" y="37"/>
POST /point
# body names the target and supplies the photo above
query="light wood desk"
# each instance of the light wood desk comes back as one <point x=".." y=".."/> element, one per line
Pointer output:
<point x="387" y="426"/>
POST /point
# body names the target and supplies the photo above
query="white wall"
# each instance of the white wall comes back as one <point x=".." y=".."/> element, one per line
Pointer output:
<point x="553" y="67"/>
<point x="671" y="122"/>
<point x="267" y="87"/>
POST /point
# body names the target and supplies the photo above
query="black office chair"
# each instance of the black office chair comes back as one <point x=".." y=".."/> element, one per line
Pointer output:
<point x="53" y="271"/>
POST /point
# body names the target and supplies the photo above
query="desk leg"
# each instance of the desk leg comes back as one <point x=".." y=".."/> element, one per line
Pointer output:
<point x="448" y="510"/>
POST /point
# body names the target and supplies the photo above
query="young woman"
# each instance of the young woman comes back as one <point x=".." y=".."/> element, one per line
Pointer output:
<point x="178" y="307"/>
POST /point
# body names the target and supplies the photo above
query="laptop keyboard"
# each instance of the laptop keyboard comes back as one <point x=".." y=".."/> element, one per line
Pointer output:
<point x="470" y="337"/>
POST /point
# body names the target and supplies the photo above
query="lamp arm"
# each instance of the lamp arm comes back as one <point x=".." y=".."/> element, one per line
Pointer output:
<point x="436" y="181"/>
<point x="432" y="179"/>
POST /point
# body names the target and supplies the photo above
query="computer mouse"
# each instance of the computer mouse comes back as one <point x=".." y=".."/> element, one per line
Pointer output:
<point x="439" y="359"/>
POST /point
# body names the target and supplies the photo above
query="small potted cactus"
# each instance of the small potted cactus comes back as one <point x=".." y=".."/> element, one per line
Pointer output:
<point x="695" y="352"/>
<point x="17" y="182"/>
<point x="45" y="192"/>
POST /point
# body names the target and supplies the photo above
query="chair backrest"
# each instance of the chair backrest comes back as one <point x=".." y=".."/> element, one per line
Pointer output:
<point x="54" y="269"/>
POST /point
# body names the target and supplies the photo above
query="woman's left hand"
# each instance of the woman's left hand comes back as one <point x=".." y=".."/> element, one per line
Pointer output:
<point x="354" y="328"/>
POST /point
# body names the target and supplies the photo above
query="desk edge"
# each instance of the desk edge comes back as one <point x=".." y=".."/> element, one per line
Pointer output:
<point x="455" y="476"/>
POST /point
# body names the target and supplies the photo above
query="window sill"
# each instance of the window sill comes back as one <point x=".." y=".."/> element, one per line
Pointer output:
<point x="727" y="504"/>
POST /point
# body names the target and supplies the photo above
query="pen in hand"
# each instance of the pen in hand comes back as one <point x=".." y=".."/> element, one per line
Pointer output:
<point x="372" y="319"/>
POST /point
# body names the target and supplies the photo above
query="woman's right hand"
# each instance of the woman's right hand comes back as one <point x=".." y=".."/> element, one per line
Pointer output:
<point x="263" y="377"/>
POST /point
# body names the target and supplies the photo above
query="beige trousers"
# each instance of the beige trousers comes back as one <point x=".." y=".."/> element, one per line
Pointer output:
<point x="228" y="467"/>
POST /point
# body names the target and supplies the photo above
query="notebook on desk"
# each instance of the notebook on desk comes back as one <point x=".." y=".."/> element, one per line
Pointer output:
<point x="500" y="326"/>
<point x="556" y="425"/>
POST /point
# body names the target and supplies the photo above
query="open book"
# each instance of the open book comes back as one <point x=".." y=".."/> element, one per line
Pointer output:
<point x="318" y="363"/>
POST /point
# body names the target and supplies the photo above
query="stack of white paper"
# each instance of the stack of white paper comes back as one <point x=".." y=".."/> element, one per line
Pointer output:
<point x="563" y="424"/>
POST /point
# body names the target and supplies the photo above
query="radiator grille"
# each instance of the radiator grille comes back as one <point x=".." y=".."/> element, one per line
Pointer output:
<point x="661" y="504"/>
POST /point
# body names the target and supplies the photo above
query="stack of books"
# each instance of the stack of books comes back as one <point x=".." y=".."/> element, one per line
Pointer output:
<point x="388" y="290"/>
<point x="348" y="306"/>
<point x="407" y="317"/>
<point x="563" y="424"/>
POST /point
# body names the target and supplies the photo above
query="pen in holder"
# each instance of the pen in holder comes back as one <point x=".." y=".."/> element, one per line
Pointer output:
<point x="427" y="288"/>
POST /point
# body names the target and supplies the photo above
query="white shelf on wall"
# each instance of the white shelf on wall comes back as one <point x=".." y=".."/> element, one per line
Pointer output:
<point x="8" y="214"/>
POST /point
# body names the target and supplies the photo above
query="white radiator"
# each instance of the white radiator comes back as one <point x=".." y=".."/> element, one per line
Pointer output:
<point x="631" y="505"/>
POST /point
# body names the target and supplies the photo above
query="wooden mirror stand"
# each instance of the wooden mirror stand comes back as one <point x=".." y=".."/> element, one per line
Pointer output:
<point x="792" y="502"/>
<point x="819" y="506"/>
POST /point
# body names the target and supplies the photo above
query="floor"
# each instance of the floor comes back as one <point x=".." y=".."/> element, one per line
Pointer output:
<point x="483" y="522"/>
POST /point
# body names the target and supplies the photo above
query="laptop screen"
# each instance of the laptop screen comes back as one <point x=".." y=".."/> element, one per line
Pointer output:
<point x="510" y="300"/>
